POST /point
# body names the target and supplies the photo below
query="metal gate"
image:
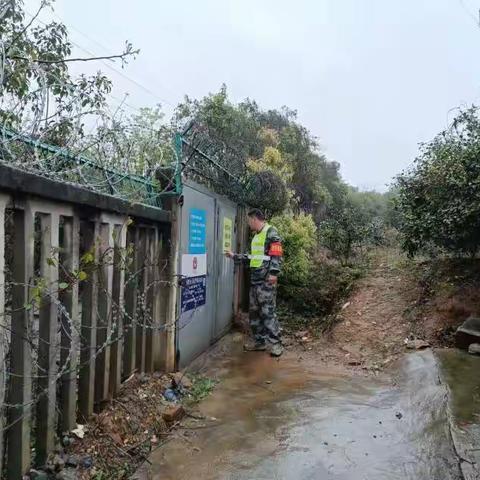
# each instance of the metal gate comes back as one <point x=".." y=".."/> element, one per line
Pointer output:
<point x="205" y="303"/>
<point x="226" y="239"/>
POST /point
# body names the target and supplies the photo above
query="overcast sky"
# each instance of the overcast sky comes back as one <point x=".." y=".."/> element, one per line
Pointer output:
<point x="370" y="78"/>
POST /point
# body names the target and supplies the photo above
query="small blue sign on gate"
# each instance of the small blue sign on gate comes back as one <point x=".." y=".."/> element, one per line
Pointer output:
<point x="197" y="242"/>
<point x="193" y="293"/>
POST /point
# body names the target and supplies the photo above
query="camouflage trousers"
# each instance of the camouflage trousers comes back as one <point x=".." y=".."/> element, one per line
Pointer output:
<point x="263" y="317"/>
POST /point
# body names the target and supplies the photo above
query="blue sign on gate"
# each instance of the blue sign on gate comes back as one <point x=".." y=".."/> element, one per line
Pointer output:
<point x="193" y="293"/>
<point x="197" y="242"/>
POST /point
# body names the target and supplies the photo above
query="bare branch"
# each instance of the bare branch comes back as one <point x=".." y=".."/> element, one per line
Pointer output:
<point x="65" y="60"/>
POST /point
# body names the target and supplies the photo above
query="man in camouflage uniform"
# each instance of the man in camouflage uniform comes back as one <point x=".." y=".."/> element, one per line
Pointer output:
<point x="265" y="262"/>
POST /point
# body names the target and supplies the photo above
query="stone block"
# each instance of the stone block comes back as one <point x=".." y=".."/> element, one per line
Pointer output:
<point x="468" y="333"/>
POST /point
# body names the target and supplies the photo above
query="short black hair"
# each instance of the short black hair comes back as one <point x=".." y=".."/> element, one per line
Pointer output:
<point x="255" y="212"/>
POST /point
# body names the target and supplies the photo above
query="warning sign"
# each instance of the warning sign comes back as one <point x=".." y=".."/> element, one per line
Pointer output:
<point x="194" y="265"/>
<point x="193" y="293"/>
<point x="227" y="233"/>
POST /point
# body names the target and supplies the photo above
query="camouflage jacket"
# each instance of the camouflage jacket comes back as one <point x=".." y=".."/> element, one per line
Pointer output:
<point x="269" y="267"/>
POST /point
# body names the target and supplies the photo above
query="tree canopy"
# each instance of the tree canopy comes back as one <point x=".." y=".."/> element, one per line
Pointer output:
<point x="38" y="94"/>
<point x="268" y="140"/>
<point x="439" y="197"/>
<point x="279" y="163"/>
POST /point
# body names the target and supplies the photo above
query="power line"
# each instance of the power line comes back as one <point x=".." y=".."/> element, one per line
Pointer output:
<point x="108" y="65"/>
<point x="101" y="45"/>
<point x="126" y="77"/>
<point x="469" y="13"/>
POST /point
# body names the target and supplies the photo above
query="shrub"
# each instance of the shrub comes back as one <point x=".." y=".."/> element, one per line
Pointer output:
<point x="267" y="191"/>
<point x="311" y="284"/>
<point x="343" y="231"/>
<point x="299" y="236"/>
<point x="329" y="282"/>
<point x="439" y="198"/>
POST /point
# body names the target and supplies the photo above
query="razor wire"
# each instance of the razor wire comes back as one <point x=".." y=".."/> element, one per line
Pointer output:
<point x="27" y="146"/>
<point x="117" y="331"/>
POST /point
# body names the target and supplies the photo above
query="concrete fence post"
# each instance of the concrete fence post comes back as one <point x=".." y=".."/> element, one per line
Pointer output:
<point x="88" y="341"/>
<point x="47" y="341"/>
<point x="171" y="316"/>
<point x="143" y="282"/>
<point x="118" y="291"/>
<point x="70" y="331"/>
<point x="104" y="317"/>
<point x="20" y="388"/>
<point x="131" y="297"/>
<point x="4" y="199"/>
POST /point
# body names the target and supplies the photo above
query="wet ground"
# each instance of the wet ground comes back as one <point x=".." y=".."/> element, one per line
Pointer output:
<point x="291" y="419"/>
<point x="461" y="374"/>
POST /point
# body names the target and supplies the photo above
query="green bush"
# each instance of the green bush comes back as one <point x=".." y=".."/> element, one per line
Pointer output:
<point x="343" y="231"/>
<point x="310" y="284"/>
<point x="439" y="198"/>
<point x="299" y="236"/>
<point x="328" y="284"/>
<point x="267" y="191"/>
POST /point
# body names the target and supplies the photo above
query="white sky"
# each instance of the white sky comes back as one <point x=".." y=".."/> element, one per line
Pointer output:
<point x="370" y="78"/>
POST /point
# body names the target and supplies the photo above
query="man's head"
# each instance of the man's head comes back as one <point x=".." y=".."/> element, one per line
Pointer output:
<point x="256" y="219"/>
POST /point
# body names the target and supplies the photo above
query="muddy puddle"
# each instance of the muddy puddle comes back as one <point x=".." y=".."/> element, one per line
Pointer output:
<point x="461" y="374"/>
<point x="288" y="419"/>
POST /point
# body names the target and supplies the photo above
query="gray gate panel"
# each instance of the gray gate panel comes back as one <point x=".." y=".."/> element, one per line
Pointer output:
<point x="196" y="326"/>
<point x="226" y="212"/>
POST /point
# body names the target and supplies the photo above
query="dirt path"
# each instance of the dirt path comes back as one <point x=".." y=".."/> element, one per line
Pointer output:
<point x="372" y="325"/>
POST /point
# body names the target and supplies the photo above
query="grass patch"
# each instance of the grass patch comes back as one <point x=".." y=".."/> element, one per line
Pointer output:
<point x="202" y="387"/>
<point x="114" y="474"/>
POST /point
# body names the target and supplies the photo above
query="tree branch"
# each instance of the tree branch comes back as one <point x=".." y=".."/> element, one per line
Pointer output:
<point x="65" y="60"/>
<point x="34" y="17"/>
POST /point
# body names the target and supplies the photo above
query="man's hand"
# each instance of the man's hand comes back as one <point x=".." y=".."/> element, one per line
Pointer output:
<point x="229" y="254"/>
<point x="272" y="279"/>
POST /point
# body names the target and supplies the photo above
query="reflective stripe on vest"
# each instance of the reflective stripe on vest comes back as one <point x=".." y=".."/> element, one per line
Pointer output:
<point x="258" y="256"/>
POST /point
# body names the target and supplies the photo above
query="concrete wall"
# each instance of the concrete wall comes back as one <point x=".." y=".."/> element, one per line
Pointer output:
<point x="78" y="335"/>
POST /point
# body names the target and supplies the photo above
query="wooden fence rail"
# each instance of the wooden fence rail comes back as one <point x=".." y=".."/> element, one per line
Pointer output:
<point x="83" y="304"/>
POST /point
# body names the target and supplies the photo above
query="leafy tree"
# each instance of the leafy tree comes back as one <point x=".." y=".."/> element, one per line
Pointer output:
<point x="231" y="125"/>
<point x="372" y="204"/>
<point x="272" y="141"/>
<point x="298" y="147"/>
<point x="439" y="198"/>
<point x="37" y="92"/>
<point x="345" y="229"/>
<point x="299" y="237"/>
<point x="392" y="214"/>
<point x="272" y="161"/>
